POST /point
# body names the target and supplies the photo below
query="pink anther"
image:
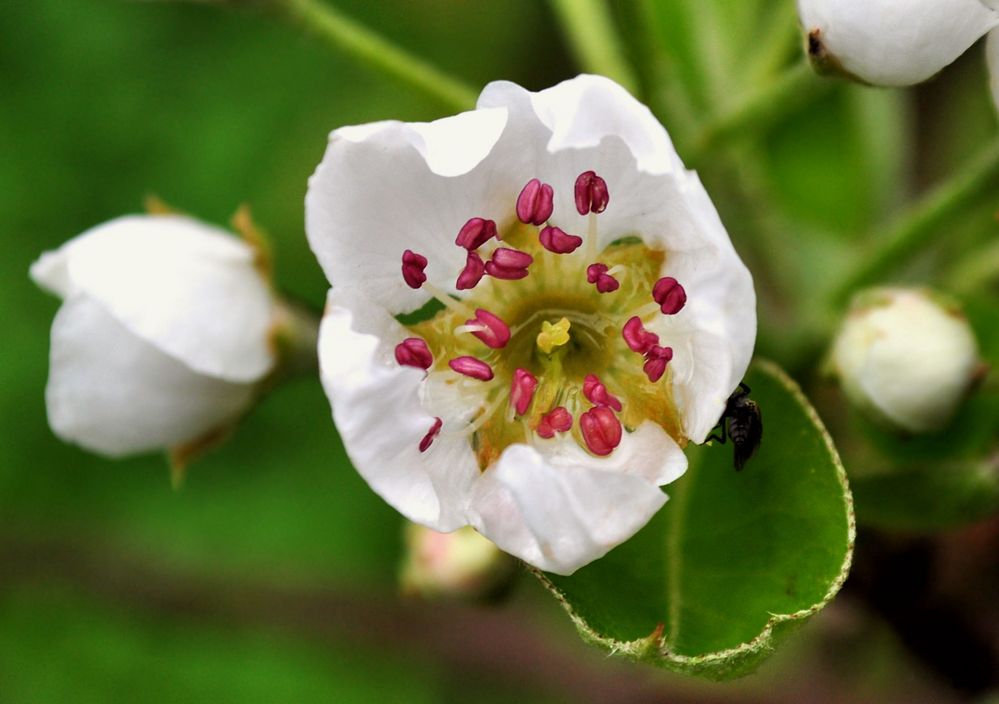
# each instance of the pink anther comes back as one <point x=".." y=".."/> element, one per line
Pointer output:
<point x="591" y="193"/>
<point x="601" y="430"/>
<point x="557" y="240"/>
<point x="522" y="390"/>
<point x="534" y="204"/>
<point x="413" y="265"/>
<point x="637" y="337"/>
<point x="475" y="233"/>
<point x="656" y="360"/>
<point x="509" y="263"/>
<point x="472" y="367"/>
<point x="595" y="271"/>
<point x="669" y="294"/>
<point x="556" y="420"/>
<point x="413" y="352"/>
<point x="597" y="274"/>
<point x="472" y="274"/>
<point x="428" y="439"/>
<point x="496" y="333"/>
<point x="597" y="394"/>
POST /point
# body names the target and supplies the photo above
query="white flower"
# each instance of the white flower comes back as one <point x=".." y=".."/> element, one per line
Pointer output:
<point x="906" y="358"/>
<point x="162" y="337"/>
<point x="531" y="404"/>
<point x="893" y="42"/>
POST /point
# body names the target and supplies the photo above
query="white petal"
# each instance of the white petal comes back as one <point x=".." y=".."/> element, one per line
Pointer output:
<point x="188" y="288"/>
<point x="581" y="112"/>
<point x="893" y="43"/>
<point x="113" y="393"/>
<point x="392" y="186"/>
<point x="558" y="508"/>
<point x="992" y="57"/>
<point x="382" y="417"/>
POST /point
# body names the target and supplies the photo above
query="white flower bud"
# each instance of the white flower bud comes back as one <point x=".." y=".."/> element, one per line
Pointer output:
<point x="459" y="564"/>
<point x="162" y="338"/>
<point x="906" y="358"/>
<point x="892" y="42"/>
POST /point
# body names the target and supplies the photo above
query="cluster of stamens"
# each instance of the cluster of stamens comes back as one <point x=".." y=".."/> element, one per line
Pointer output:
<point x="538" y="399"/>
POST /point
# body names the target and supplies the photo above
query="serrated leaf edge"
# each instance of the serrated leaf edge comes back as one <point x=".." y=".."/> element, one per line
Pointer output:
<point x="654" y="648"/>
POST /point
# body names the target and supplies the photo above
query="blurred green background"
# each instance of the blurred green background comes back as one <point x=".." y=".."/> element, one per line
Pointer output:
<point x="271" y="575"/>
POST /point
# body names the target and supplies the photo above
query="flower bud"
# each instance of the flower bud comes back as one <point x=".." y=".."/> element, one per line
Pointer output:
<point x="166" y="331"/>
<point x="888" y="42"/>
<point x="459" y="564"/>
<point x="906" y="357"/>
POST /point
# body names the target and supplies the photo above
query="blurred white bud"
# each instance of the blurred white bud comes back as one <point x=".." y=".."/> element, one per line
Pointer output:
<point x="906" y="357"/>
<point x="459" y="564"/>
<point x="892" y="42"/>
<point x="164" y="334"/>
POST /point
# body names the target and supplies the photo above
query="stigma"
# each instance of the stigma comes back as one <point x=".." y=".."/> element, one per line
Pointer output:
<point x="550" y="338"/>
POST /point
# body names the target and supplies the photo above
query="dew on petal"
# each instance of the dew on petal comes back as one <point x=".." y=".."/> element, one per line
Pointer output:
<point x="413" y="352"/>
<point x="601" y="430"/>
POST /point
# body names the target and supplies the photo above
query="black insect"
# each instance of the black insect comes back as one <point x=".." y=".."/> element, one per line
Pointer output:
<point x="742" y="421"/>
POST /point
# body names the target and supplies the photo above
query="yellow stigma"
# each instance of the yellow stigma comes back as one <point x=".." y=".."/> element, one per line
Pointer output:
<point x="552" y="336"/>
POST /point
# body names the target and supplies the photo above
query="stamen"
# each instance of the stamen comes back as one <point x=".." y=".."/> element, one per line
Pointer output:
<point x="428" y="439"/>
<point x="553" y="335"/>
<point x="597" y="274"/>
<point x="413" y="265"/>
<point x="534" y="204"/>
<point x="413" y="352"/>
<point x="556" y="420"/>
<point x="591" y="193"/>
<point x="656" y="360"/>
<point x="637" y="337"/>
<point x="601" y="430"/>
<point x="557" y="240"/>
<point x="475" y="233"/>
<point x="597" y="394"/>
<point x="669" y="294"/>
<point x="472" y="367"/>
<point x="491" y="329"/>
<point x="509" y="263"/>
<point x="472" y="274"/>
<point x="522" y="390"/>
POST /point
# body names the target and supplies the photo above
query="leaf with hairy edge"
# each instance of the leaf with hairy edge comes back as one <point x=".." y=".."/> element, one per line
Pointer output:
<point x="735" y="559"/>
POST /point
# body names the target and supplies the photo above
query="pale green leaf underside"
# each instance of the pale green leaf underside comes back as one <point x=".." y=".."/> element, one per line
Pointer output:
<point x="735" y="559"/>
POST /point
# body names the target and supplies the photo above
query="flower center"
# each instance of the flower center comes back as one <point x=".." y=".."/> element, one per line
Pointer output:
<point x="551" y="338"/>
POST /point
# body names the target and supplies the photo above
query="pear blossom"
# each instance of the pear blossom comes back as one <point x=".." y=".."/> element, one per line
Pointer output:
<point x="163" y="335"/>
<point x="461" y="564"/>
<point x="536" y="409"/>
<point x="906" y="358"/>
<point x="889" y="42"/>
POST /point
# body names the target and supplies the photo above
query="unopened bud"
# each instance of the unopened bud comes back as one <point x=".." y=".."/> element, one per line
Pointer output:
<point x="906" y="357"/>
<point x="461" y="564"/>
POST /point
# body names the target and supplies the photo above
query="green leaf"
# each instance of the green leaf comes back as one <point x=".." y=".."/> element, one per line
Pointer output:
<point x="734" y="560"/>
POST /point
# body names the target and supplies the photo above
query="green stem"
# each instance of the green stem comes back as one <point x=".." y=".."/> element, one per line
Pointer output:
<point x="761" y="107"/>
<point x="589" y="27"/>
<point x="921" y="222"/>
<point x="345" y="34"/>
